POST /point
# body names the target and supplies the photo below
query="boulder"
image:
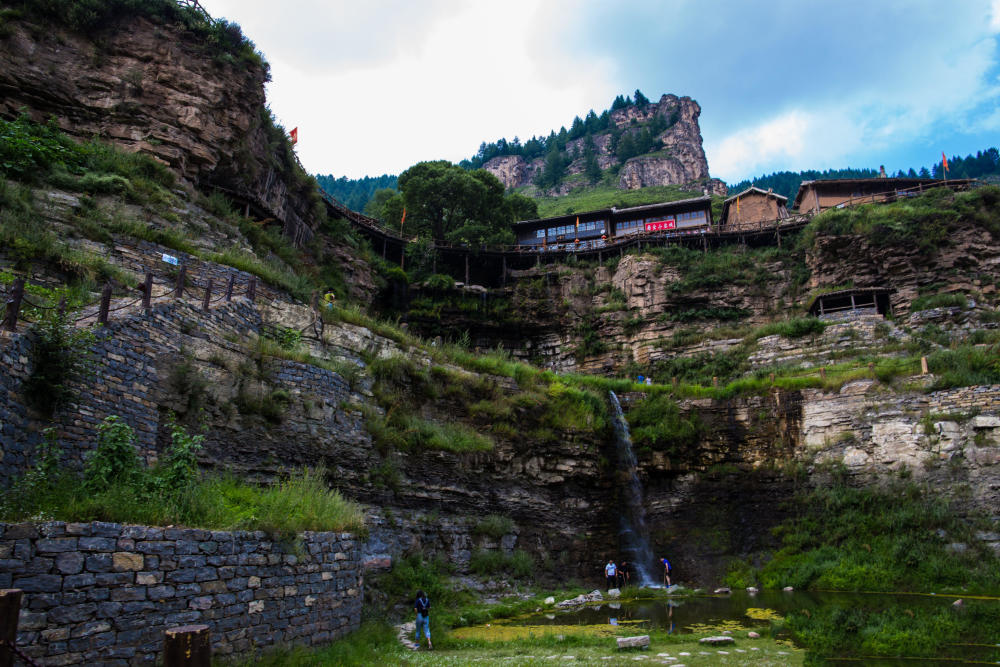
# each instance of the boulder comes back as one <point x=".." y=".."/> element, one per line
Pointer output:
<point x="788" y="589"/>
<point x="614" y="593"/>
<point x="752" y="590"/>
<point x="722" y="591"/>
<point x="550" y="600"/>
<point x="642" y="641"/>
<point x="753" y="635"/>
<point x="717" y="641"/>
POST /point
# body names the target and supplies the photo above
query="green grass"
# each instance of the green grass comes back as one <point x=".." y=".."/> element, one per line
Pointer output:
<point x="882" y="539"/>
<point x="115" y="487"/>
<point x="939" y="301"/>
<point x="607" y="195"/>
<point x="926" y="222"/>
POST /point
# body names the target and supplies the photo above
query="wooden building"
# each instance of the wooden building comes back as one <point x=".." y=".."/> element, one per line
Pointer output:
<point x="595" y="228"/>
<point x="816" y="196"/>
<point x="854" y="300"/>
<point x="752" y="207"/>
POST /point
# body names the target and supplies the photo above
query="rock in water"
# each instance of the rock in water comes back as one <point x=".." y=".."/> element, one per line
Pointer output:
<point x="722" y="591"/>
<point x="614" y="593"/>
<point x="642" y="641"/>
<point x="716" y="641"/>
<point x="550" y="600"/>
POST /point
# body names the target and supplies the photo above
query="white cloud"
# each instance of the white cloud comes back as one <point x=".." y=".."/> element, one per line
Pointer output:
<point x="995" y="16"/>
<point x="471" y="72"/>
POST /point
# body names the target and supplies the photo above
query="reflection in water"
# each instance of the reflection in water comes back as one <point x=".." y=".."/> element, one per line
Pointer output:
<point x="741" y="612"/>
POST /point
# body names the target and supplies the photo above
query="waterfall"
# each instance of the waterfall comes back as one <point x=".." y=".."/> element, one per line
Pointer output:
<point x="633" y="536"/>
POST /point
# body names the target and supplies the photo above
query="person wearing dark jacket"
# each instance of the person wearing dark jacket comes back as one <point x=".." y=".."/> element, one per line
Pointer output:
<point x="422" y="606"/>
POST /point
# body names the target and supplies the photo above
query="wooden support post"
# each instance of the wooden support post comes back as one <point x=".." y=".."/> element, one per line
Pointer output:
<point x="246" y="210"/>
<point x="923" y="366"/>
<point x="674" y="381"/>
<point x="229" y="287"/>
<point x="181" y="278"/>
<point x="402" y="256"/>
<point x="187" y="646"/>
<point x="778" y="235"/>
<point x="147" y="292"/>
<point x="208" y="295"/>
<point x="466" y="268"/>
<point x="715" y="380"/>
<point x="102" y="314"/>
<point x="853" y="305"/>
<point x="503" y="273"/>
<point x="14" y="305"/>
<point x="822" y="372"/>
<point x="383" y="248"/>
<point x="10" y="611"/>
<point x="252" y="289"/>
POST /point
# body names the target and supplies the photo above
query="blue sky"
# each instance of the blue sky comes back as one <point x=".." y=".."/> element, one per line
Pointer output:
<point x="787" y="84"/>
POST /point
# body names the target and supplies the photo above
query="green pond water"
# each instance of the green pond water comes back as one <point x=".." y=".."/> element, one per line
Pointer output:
<point x="741" y="612"/>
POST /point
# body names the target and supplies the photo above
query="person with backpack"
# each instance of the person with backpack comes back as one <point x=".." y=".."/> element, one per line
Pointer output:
<point x="666" y="571"/>
<point x="422" y="606"/>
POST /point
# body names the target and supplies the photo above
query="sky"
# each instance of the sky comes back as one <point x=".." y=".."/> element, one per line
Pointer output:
<point x="377" y="86"/>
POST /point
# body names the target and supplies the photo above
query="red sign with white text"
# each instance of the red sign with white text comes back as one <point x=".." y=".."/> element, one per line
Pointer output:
<point x="661" y="224"/>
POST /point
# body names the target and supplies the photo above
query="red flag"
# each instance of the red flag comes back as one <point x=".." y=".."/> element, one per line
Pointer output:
<point x="944" y="162"/>
<point x="403" y="219"/>
<point x="294" y="134"/>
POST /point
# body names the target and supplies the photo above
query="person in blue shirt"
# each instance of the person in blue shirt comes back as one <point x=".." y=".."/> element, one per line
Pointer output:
<point x="422" y="606"/>
<point x="666" y="570"/>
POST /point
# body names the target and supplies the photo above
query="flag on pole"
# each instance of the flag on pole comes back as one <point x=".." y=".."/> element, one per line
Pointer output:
<point x="403" y="219"/>
<point x="944" y="162"/>
<point x="294" y="134"/>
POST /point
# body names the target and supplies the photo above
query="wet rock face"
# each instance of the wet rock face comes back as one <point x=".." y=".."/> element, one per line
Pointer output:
<point x="152" y="88"/>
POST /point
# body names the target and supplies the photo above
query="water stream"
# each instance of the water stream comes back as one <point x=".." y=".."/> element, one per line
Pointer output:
<point x="633" y="535"/>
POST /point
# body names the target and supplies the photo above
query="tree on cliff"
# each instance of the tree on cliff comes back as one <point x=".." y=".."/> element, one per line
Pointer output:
<point x="448" y="203"/>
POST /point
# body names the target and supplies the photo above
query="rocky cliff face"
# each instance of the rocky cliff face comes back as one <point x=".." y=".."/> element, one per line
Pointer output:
<point x="151" y="87"/>
<point x="684" y="162"/>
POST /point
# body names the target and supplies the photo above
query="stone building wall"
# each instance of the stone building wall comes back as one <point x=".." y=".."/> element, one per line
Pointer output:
<point x="105" y="593"/>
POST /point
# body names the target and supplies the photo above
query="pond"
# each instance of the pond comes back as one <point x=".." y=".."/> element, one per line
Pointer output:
<point x="740" y="612"/>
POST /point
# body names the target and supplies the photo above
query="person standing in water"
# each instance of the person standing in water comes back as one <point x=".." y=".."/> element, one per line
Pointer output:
<point x="422" y="606"/>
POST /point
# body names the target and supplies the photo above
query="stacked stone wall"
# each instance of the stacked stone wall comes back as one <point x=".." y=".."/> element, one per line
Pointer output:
<point x="104" y="592"/>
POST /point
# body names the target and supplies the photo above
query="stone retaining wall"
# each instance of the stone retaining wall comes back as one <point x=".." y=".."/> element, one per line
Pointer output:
<point x="103" y="593"/>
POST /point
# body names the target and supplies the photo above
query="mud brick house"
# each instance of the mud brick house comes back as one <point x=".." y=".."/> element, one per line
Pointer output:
<point x="816" y="196"/>
<point x="752" y="207"/>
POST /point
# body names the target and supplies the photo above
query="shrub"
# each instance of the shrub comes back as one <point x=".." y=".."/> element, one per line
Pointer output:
<point x="115" y="461"/>
<point x="657" y="422"/>
<point x="519" y="564"/>
<point x="494" y="525"/>
<point x="939" y="301"/>
<point x="60" y="357"/>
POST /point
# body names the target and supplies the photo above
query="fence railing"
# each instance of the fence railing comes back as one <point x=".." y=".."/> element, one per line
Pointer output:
<point x="206" y="293"/>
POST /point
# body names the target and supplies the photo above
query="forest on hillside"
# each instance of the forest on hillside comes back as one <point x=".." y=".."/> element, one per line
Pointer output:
<point x="983" y="164"/>
<point x="356" y="193"/>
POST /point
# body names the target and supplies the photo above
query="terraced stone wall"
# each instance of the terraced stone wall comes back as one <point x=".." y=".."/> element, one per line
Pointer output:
<point x="105" y="593"/>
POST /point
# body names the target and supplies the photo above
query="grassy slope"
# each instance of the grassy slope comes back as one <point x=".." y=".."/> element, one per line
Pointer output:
<point x="606" y="195"/>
